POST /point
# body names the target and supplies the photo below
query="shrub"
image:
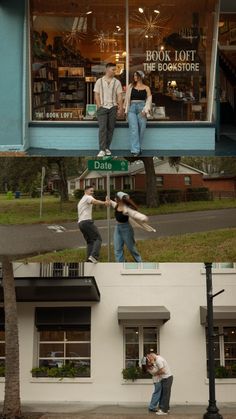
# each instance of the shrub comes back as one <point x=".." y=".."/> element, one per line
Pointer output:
<point x="169" y="196"/>
<point x="198" y="194"/>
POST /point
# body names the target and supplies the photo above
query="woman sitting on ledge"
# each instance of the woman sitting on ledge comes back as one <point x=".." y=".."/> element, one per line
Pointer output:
<point x="138" y="103"/>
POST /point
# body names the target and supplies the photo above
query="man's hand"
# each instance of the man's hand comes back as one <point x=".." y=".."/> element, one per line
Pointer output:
<point x="120" y="112"/>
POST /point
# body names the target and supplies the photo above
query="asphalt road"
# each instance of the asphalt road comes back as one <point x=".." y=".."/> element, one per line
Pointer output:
<point x="20" y="240"/>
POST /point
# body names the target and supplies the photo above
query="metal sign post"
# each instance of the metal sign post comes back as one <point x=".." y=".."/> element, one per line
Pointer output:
<point x="108" y="219"/>
<point x="41" y="192"/>
<point x="108" y="165"/>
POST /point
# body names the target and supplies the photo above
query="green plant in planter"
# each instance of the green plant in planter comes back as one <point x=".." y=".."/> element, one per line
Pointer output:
<point x="2" y="371"/>
<point x="221" y="372"/>
<point x="67" y="370"/>
<point x="233" y="370"/>
<point x="134" y="373"/>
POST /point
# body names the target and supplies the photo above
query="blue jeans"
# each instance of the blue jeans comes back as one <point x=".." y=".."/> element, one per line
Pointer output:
<point x="156" y="395"/>
<point x="137" y="125"/>
<point x="124" y="234"/>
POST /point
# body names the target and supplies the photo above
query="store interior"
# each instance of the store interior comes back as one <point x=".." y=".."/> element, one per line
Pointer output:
<point x="72" y="40"/>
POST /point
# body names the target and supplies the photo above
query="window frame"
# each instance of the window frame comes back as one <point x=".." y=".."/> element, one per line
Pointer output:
<point x="221" y="342"/>
<point x="65" y="342"/>
<point x="210" y="98"/>
<point x="141" y="340"/>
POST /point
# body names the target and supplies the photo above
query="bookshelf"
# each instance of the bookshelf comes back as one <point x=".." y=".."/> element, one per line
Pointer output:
<point x="45" y="87"/>
<point x="71" y="82"/>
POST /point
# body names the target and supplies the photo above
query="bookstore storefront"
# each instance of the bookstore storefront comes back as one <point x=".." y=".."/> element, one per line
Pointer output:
<point x="63" y="47"/>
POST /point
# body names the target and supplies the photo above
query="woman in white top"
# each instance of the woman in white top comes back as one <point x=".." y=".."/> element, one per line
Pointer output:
<point x="138" y="102"/>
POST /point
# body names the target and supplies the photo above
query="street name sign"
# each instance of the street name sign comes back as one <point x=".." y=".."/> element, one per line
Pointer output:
<point x="108" y="165"/>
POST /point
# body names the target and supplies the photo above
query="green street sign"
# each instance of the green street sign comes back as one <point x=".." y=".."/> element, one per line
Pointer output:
<point x="108" y="165"/>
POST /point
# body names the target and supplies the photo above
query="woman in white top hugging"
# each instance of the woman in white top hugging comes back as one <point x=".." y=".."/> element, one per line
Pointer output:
<point x="138" y="103"/>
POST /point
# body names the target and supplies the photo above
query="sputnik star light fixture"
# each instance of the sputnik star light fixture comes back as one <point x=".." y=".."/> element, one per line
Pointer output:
<point x="150" y="22"/>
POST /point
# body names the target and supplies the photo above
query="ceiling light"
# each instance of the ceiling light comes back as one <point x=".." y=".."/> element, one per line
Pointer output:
<point x="89" y="12"/>
<point x="140" y="10"/>
<point x="157" y="11"/>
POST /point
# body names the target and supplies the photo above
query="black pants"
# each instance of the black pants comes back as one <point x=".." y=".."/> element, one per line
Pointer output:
<point x="92" y="237"/>
<point x="106" y="121"/>
<point x="165" y="394"/>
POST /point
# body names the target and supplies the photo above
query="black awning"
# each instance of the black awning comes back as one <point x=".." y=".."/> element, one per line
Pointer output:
<point x="51" y="289"/>
<point x="143" y="314"/>
<point x="219" y="313"/>
<point x="62" y="317"/>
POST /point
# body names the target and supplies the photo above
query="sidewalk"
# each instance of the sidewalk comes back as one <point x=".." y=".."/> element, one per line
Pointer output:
<point x="126" y="411"/>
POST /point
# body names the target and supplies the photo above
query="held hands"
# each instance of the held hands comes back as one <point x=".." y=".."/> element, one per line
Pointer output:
<point x="107" y="203"/>
<point x="120" y="112"/>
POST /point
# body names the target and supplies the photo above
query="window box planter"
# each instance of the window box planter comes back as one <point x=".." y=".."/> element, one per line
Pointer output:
<point x="134" y="373"/>
<point x="66" y="371"/>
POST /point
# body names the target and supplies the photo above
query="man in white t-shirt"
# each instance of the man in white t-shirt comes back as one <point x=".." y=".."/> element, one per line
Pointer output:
<point x="87" y="226"/>
<point x="109" y="101"/>
<point x="161" y="374"/>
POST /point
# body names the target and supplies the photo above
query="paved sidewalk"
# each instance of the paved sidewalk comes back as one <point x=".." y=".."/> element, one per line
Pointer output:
<point x="126" y="411"/>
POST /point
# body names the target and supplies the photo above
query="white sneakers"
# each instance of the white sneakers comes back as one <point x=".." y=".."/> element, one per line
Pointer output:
<point x="103" y="153"/>
<point x="92" y="259"/>
<point x="161" y="413"/>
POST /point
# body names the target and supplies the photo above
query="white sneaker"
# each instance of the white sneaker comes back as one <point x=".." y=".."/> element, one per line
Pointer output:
<point x="108" y="152"/>
<point x="92" y="259"/>
<point x="161" y="413"/>
<point x="101" y="153"/>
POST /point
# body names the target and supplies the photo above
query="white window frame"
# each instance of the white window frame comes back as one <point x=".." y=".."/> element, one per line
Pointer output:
<point x="3" y="342"/>
<point x="64" y="342"/>
<point x="219" y="268"/>
<point x="140" y="269"/>
<point x="141" y="341"/>
<point x="220" y="327"/>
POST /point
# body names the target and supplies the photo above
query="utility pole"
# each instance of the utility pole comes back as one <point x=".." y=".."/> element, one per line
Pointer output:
<point x="212" y="410"/>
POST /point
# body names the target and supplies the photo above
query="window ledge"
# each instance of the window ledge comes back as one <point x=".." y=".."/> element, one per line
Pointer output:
<point x="137" y="382"/>
<point x="61" y="380"/>
<point x="222" y="381"/>
<point x="140" y="272"/>
<point x="123" y="124"/>
<point x="230" y="271"/>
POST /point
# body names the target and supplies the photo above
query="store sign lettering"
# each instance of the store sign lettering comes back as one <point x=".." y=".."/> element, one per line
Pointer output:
<point x="167" y="60"/>
<point x="53" y="115"/>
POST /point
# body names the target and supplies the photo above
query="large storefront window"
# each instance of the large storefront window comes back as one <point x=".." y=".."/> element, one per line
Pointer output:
<point x="71" y="41"/>
<point x="171" y="42"/>
<point x="64" y="339"/>
<point x="60" y="347"/>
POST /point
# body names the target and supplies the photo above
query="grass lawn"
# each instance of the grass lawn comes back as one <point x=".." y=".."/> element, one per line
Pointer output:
<point x="26" y="210"/>
<point x="211" y="246"/>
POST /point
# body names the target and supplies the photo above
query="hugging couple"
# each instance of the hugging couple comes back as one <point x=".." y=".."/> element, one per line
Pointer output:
<point x="157" y="366"/>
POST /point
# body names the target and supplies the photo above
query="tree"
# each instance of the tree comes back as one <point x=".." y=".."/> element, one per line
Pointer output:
<point x="12" y="405"/>
<point x="151" y="185"/>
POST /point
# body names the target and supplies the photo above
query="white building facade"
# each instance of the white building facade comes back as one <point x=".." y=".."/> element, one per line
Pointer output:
<point x="129" y="309"/>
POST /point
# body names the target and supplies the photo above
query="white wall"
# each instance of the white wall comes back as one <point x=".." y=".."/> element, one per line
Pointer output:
<point x="181" y="289"/>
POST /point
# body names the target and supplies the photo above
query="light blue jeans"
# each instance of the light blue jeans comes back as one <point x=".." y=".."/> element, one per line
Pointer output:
<point x="124" y="234"/>
<point x="137" y="126"/>
<point x="156" y="396"/>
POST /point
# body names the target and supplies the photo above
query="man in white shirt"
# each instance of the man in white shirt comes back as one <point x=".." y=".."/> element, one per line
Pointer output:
<point x="161" y="374"/>
<point x="109" y="101"/>
<point x="87" y="226"/>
